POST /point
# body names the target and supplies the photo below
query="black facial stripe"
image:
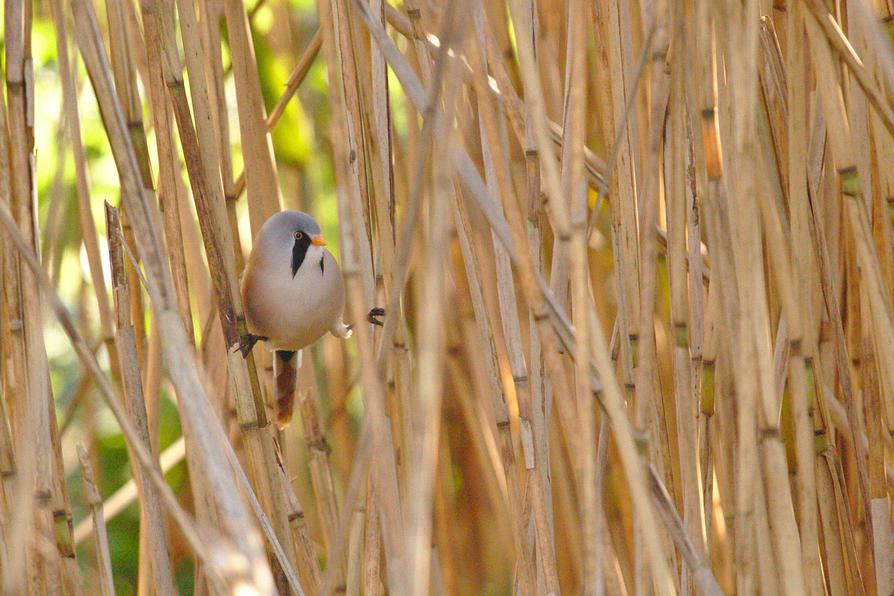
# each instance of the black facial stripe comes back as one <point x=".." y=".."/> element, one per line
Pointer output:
<point x="299" y="250"/>
<point x="323" y="258"/>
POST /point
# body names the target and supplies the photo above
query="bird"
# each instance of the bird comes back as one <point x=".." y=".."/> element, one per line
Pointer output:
<point x="292" y="294"/>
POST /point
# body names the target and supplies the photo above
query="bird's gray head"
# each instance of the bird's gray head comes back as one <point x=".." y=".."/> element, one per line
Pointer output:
<point x="294" y="231"/>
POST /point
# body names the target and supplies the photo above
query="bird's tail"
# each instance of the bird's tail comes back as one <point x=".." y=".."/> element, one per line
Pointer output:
<point x="285" y="373"/>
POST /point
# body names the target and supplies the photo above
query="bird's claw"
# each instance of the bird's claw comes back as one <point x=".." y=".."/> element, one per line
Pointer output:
<point x="247" y="342"/>
<point x="373" y="315"/>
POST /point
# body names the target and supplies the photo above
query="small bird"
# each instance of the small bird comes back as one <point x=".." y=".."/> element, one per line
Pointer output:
<point x="293" y="293"/>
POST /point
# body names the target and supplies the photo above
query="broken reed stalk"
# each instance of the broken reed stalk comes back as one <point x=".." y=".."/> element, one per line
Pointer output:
<point x="152" y="521"/>
<point x="730" y="435"/>
<point x="197" y="413"/>
<point x="144" y="457"/>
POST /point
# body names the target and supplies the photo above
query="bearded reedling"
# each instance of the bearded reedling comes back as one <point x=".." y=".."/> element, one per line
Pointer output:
<point x="293" y="293"/>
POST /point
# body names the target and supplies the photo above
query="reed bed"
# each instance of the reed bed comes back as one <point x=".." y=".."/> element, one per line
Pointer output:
<point x="636" y="260"/>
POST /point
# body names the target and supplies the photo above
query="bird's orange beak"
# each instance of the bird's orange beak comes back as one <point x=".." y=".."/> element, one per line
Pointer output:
<point x="318" y="240"/>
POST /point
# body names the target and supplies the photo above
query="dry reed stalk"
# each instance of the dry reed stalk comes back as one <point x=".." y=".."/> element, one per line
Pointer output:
<point x="128" y="492"/>
<point x="866" y="127"/>
<point x="394" y="333"/>
<point x="413" y="89"/>
<point x="425" y="419"/>
<point x="376" y="107"/>
<point x="540" y="406"/>
<point x="831" y="524"/>
<point x="426" y="416"/>
<point x="193" y="400"/>
<point x="210" y="17"/>
<point x="157" y="570"/>
<point x="320" y="470"/>
<point x="203" y="165"/>
<point x="574" y="186"/>
<point x="88" y="227"/>
<point x="534" y="94"/>
<point x="40" y="493"/>
<point x="840" y="357"/>
<point x="372" y="542"/>
<point x="761" y="451"/>
<point x="687" y="412"/>
<point x="804" y="352"/>
<point x="704" y="96"/>
<point x="624" y="233"/>
<point x="295" y="79"/>
<point x="743" y="397"/>
<point x="510" y="324"/>
<point x="12" y="367"/>
<point x="842" y="153"/>
<point x="356" y="267"/>
<point x="168" y="167"/>
<point x="263" y="190"/>
<point x="372" y="148"/>
<point x="123" y="71"/>
<point x="380" y="141"/>
<point x="379" y="138"/>
<point x="354" y="554"/>
<point x="356" y="209"/>
<point x="141" y="451"/>
<point x="106" y="585"/>
<point x="647" y="394"/>
<point x="308" y="567"/>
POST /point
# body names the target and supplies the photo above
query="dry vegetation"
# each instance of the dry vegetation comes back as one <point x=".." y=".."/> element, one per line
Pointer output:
<point x="636" y="259"/>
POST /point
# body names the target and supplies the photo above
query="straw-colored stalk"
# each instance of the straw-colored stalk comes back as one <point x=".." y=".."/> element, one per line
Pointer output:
<point x="638" y="287"/>
<point x="94" y="500"/>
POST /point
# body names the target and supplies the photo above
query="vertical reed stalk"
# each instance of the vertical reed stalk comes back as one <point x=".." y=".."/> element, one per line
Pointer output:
<point x="637" y="289"/>
<point x="94" y="499"/>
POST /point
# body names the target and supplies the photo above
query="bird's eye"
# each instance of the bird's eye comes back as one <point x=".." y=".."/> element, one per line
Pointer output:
<point x="298" y="235"/>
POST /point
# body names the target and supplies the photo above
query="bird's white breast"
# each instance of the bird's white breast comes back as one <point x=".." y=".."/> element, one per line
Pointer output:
<point x="294" y="312"/>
